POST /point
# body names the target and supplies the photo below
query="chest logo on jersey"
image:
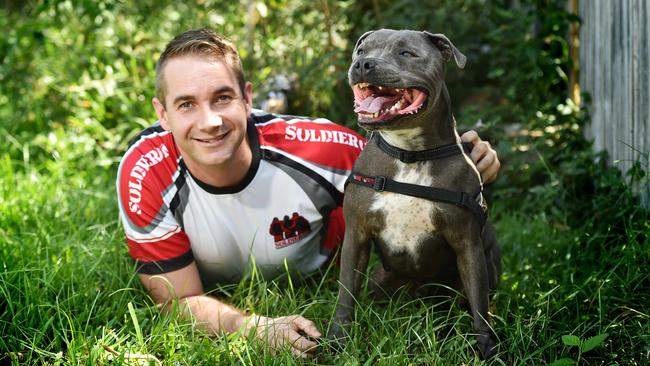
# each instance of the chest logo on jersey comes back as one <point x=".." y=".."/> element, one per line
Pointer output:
<point x="289" y="230"/>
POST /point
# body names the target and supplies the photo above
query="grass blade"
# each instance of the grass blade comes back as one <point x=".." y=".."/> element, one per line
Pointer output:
<point x="136" y="324"/>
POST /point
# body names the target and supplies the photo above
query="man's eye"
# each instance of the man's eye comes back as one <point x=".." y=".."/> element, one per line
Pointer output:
<point x="185" y="106"/>
<point x="224" y="99"/>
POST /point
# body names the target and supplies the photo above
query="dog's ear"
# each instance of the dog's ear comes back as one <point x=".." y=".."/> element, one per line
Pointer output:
<point x="447" y="48"/>
<point x="362" y="38"/>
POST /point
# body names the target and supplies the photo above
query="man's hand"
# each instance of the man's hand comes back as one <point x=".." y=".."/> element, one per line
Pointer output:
<point x="483" y="155"/>
<point x="285" y="331"/>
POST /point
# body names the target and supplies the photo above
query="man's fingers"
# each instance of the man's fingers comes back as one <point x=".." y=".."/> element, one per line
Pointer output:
<point x="479" y="150"/>
<point x="484" y="163"/>
<point x="485" y="158"/>
<point x="488" y="168"/>
<point x="299" y="342"/>
<point x="299" y="353"/>
<point x="307" y="326"/>
<point x="470" y="136"/>
<point x="292" y="331"/>
<point x="490" y="174"/>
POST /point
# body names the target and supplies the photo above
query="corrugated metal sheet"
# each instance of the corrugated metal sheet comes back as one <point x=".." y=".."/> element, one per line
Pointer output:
<point x="614" y="70"/>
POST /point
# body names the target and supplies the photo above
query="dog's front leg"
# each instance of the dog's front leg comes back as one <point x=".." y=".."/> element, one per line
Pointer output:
<point x="354" y="262"/>
<point x="474" y="276"/>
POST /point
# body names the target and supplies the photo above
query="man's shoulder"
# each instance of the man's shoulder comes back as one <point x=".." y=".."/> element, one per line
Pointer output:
<point x="147" y="168"/>
<point x="308" y="140"/>
<point x="261" y="118"/>
<point x="148" y="135"/>
<point x="311" y="138"/>
<point x="151" y="147"/>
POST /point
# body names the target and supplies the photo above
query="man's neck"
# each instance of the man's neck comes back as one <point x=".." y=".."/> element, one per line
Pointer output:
<point x="228" y="174"/>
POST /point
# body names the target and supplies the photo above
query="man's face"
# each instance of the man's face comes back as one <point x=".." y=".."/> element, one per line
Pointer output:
<point x="205" y="112"/>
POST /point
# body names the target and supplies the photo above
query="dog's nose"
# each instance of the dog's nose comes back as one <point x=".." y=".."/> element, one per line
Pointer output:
<point x="365" y="65"/>
<point x="368" y="64"/>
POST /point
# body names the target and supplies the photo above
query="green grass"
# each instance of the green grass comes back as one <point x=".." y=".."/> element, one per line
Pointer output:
<point x="68" y="293"/>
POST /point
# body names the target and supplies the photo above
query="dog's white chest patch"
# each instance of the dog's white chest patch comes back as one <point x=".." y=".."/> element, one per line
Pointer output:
<point x="409" y="139"/>
<point x="408" y="219"/>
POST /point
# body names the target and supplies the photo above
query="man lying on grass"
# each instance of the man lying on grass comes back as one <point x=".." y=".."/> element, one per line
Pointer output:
<point x="215" y="184"/>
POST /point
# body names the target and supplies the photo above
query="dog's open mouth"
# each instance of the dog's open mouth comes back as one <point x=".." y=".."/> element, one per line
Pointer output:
<point x="374" y="103"/>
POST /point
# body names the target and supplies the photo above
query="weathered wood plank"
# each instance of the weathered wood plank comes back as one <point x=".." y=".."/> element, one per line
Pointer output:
<point x="614" y="70"/>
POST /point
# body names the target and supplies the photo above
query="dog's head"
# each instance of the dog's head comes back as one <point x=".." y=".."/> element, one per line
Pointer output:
<point x="395" y="75"/>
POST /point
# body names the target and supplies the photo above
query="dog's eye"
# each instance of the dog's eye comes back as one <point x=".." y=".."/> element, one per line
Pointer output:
<point x="360" y="51"/>
<point x="408" y="54"/>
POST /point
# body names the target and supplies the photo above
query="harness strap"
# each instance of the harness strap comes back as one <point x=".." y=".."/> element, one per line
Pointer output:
<point x="408" y="157"/>
<point x="461" y="199"/>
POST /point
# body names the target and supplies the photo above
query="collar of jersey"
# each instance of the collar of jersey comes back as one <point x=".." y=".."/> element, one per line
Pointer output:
<point x="254" y="142"/>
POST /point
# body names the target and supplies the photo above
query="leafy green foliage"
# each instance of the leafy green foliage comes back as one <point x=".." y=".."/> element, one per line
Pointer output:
<point x="571" y="340"/>
<point x="85" y="70"/>
<point x="582" y="345"/>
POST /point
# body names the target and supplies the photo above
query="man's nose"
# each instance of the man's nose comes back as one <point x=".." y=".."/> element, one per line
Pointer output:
<point x="210" y="118"/>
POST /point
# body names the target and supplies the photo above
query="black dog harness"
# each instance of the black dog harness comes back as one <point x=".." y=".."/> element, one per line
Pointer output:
<point x="382" y="183"/>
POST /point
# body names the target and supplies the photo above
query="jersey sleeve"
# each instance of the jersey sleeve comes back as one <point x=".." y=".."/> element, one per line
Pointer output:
<point x="145" y="187"/>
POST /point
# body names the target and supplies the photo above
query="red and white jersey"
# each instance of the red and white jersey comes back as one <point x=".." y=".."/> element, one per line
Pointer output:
<point x="287" y="208"/>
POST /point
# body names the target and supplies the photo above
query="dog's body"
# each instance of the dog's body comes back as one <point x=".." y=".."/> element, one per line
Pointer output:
<point x="400" y="95"/>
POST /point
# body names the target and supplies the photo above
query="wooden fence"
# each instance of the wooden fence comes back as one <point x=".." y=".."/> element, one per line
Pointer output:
<point x="615" y="71"/>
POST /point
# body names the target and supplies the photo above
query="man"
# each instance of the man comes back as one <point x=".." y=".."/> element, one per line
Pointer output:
<point x="200" y="194"/>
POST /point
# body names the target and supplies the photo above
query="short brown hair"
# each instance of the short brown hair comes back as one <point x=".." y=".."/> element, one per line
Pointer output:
<point x="202" y="42"/>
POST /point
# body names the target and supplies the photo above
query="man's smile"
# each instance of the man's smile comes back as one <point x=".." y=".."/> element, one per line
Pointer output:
<point x="211" y="140"/>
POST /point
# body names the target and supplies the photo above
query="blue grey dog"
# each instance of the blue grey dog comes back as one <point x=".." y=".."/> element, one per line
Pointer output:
<point x="414" y="190"/>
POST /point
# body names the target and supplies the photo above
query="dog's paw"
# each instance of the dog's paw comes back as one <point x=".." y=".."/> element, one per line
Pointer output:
<point x="337" y="337"/>
<point x="487" y="346"/>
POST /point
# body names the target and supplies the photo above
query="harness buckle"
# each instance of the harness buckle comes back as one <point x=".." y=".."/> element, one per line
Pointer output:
<point x="462" y="202"/>
<point x="380" y="183"/>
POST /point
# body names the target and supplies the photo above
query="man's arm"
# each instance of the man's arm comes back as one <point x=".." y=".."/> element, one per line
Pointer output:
<point x="185" y="286"/>
<point x="217" y="317"/>
<point x="484" y="156"/>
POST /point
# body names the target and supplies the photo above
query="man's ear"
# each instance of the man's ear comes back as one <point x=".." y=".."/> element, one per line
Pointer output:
<point x="161" y="112"/>
<point x="248" y="97"/>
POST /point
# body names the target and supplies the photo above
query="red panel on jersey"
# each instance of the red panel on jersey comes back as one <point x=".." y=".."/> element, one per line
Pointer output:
<point x="335" y="230"/>
<point x="338" y="146"/>
<point x="169" y="248"/>
<point x="140" y="192"/>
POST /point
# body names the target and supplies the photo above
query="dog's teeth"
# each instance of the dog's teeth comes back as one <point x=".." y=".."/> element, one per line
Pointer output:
<point x="381" y="88"/>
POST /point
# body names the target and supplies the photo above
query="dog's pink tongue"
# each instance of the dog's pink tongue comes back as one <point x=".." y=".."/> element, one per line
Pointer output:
<point x="371" y="104"/>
